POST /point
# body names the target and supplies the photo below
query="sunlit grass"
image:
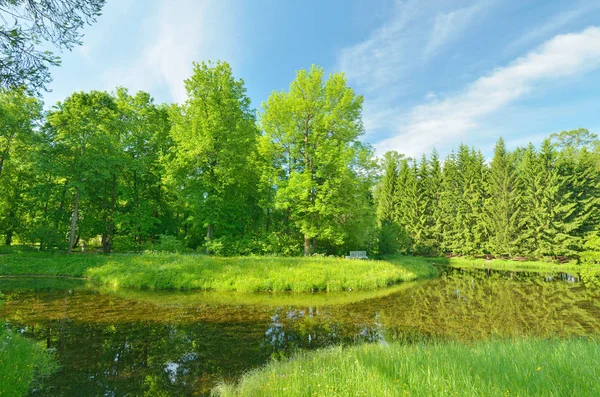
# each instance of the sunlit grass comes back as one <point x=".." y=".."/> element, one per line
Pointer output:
<point x="242" y="274"/>
<point x="529" y="367"/>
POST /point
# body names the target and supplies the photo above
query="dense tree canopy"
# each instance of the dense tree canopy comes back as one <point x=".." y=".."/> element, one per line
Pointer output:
<point x="116" y="171"/>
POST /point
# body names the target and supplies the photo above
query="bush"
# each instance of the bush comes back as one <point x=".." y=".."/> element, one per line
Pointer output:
<point x="280" y="244"/>
<point x="168" y="243"/>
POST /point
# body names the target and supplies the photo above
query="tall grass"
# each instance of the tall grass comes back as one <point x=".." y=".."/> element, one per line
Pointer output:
<point x="243" y="274"/>
<point x="530" y="367"/>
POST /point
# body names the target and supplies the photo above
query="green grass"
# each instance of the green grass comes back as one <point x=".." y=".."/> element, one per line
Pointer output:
<point x="22" y="363"/>
<point x="242" y="274"/>
<point x="530" y="367"/>
<point x="506" y="264"/>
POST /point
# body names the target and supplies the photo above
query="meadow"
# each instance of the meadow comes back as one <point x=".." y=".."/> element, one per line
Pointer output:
<point x="524" y="367"/>
<point x="241" y="274"/>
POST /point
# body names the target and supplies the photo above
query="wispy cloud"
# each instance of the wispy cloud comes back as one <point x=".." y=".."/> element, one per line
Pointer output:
<point x="452" y="118"/>
<point x="179" y="33"/>
<point x="555" y="23"/>
<point x="449" y="26"/>
<point x="416" y="31"/>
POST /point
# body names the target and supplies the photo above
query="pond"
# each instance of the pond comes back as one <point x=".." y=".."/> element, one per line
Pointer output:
<point x="128" y="343"/>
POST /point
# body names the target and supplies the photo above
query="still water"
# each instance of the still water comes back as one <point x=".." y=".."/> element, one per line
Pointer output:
<point x="135" y="343"/>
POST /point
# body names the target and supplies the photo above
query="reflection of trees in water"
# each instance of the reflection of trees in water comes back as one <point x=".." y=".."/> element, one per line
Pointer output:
<point x="467" y="305"/>
<point x="114" y="347"/>
<point x="179" y="359"/>
<point x="478" y="305"/>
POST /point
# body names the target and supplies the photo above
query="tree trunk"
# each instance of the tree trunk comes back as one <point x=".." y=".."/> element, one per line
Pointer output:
<point x="61" y="206"/>
<point x="209" y="235"/>
<point x="104" y="221"/>
<point x="306" y="245"/>
<point x="268" y="220"/>
<point x="8" y="237"/>
<point x="111" y="217"/>
<point x="74" y="222"/>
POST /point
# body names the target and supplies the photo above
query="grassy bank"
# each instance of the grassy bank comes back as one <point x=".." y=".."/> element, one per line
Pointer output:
<point x="506" y="264"/>
<point x="243" y="274"/>
<point x="491" y="368"/>
<point x="22" y="363"/>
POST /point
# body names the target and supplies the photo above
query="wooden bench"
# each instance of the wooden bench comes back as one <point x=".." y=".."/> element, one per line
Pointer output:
<point x="357" y="255"/>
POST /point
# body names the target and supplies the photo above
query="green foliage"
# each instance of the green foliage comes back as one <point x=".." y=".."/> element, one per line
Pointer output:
<point x="214" y="137"/>
<point x="28" y="28"/>
<point x="591" y="253"/>
<point x="117" y="171"/>
<point x="168" y="243"/>
<point x="503" y="203"/>
<point x="23" y="363"/>
<point x="318" y="173"/>
<point x="19" y="114"/>
<point x="393" y="239"/>
<point x="535" y="203"/>
<point x="530" y="367"/>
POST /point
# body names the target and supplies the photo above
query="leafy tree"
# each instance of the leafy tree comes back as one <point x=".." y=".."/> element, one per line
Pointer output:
<point x="310" y="135"/>
<point x="214" y="140"/>
<point x="87" y="138"/>
<point x="27" y="28"/>
<point x="20" y="116"/>
<point x="574" y="140"/>
<point x="146" y="211"/>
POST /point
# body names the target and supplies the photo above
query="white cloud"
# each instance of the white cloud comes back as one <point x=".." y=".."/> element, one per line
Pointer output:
<point x="450" y="119"/>
<point x="178" y="34"/>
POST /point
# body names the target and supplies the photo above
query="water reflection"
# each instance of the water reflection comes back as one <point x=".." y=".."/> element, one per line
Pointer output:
<point x="177" y="344"/>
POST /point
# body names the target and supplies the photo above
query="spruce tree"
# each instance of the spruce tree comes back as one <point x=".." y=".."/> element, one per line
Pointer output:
<point x="502" y="204"/>
<point x="424" y="236"/>
<point x="449" y="204"/>
<point x="434" y="185"/>
<point x="405" y="192"/>
<point x="530" y="183"/>
<point x="386" y="189"/>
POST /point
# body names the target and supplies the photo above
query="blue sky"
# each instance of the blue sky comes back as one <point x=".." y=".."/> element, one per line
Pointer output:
<point x="434" y="73"/>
